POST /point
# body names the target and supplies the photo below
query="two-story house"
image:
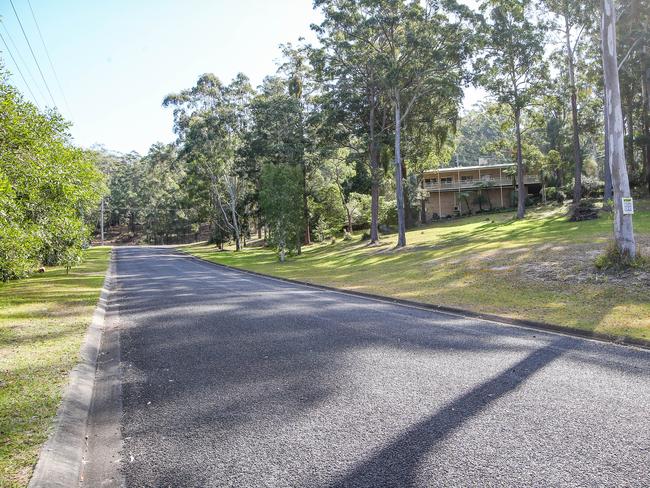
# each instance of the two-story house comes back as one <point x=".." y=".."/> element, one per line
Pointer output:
<point x="452" y="190"/>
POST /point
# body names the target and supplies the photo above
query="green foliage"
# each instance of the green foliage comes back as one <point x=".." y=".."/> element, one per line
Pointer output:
<point x="481" y="129"/>
<point x="592" y="187"/>
<point x="613" y="260"/>
<point x="49" y="188"/>
<point x="359" y="207"/>
<point x="328" y="210"/>
<point x="281" y="204"/>
<point x="512" y="66"/>
<point x="387" y="212"/>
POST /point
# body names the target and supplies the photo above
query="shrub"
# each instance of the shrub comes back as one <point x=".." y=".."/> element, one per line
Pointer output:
<point x="347" y="236"/>
<point x="388" y="212"/>
<point x="551" y="193"/>
<point x="585" y="210"/>
<point x="592" y="187"/>
<point x="614" y="260"/>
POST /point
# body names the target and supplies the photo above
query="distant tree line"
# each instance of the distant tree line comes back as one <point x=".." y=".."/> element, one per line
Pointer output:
<point x="339" y="137"/>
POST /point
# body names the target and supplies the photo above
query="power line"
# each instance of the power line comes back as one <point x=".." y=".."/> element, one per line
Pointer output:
<point x="19" y="71"/>
<point x="22" y="60"/>
<point x="47" y="53"/>
<point x="32" y="51"/>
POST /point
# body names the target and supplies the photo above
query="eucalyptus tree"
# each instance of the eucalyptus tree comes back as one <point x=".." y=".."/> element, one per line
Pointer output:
<point x="427" y="144"/>
<point x="211" y="120"/>
<point x="296" y="68"/>
<point x="421" y="59"/>
<point x="633" y="39"/>
<point x="482" y="126"/>
<point x="571" y="20"/>
<point x="354" y="107"/>
<point x="512" y="66"/>
<point x="338" y="172"/>
<point x="167" y="210"/>
<point x="275" y="136"/>
<point x="280" y="200"/>
<point x="623" y="226"/>
<point x="124" y="183"/>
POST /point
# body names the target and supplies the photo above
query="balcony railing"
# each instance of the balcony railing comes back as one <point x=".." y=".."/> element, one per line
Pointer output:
<point x="473" y="184"/>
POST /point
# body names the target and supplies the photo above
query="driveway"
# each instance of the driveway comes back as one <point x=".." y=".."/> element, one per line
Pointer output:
<point x="229" y="379"/>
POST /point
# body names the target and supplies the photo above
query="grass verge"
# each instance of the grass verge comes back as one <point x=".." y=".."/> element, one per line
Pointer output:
<point x="540" y="269"/>
<point x="43" y="320"/>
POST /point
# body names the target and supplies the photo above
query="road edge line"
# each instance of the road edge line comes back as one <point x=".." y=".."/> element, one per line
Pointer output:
<point x="60" y="459"/>
<point x="457" y="312"/>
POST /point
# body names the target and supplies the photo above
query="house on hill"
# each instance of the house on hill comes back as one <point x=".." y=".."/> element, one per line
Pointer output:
<point x="452" y="190"/>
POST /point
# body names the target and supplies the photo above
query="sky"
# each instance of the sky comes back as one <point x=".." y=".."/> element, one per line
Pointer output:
<point x="116" y="60"/>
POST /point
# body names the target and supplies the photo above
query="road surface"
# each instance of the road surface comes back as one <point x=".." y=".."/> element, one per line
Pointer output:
<point x="229" y="379"/>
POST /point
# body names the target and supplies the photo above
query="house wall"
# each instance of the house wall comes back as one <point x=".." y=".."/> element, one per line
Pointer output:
<point x="492" y="172"/>
<point x="447" y="204"/>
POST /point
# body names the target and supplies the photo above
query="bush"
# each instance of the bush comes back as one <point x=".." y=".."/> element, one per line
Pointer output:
<point x="551" y="193"/>
<point x="560" y="196"/>
<point x="592" y="187"/>
<point x="585" y="210"/>
<point x="359" y="206"/>
<point x="347" y="236"/>
<point x="365" y="236"/>
<point x="614" y="260"/>
<point x="388" y="212"/>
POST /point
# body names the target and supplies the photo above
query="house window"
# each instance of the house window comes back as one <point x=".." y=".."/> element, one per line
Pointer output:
<point x="466" y="178"/>
<point x="448" y="179"/>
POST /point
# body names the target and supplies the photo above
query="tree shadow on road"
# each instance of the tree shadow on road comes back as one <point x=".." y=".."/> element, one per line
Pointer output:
<point x="396" y="464"/>
<point x="222" y="359"/>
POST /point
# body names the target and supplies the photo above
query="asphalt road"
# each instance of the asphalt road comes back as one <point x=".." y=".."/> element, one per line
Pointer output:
<point x="229" y="379"/>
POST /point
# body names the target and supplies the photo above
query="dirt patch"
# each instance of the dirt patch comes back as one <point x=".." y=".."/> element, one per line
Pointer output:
<point x="575" y="264"/>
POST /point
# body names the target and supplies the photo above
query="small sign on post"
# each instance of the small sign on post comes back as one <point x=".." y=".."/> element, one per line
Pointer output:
<point x="628" y="206"/>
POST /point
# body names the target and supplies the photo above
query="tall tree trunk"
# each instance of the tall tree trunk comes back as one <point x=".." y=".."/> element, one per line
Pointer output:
<point x="399" y="187"/>
<point x="408" y="214"/>
<point x="423" y="205"/>
<point x="607" y="167"/>
<point x="521" y="187"/>
<point x="577" y="152"/>
<point x="645" y="90"/>
<point x="305" y="208"/>
<point x="235" y="227"/>
<point x="374" y="173"/>
<point x="630" y="133"/>
<point x="623" y="227"/>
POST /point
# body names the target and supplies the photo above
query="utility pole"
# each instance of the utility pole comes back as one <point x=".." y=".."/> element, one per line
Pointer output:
<point x="101" y="219"/>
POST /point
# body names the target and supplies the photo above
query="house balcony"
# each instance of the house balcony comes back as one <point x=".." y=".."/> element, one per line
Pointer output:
<point x="475" y="184"/>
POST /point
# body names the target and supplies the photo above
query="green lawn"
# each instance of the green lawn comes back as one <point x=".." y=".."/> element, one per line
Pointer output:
<point x="539" y="269"/>
<point x="43" y="320"/>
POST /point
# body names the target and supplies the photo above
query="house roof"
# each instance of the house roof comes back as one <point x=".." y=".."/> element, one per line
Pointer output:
<point x="468" y="168"/>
